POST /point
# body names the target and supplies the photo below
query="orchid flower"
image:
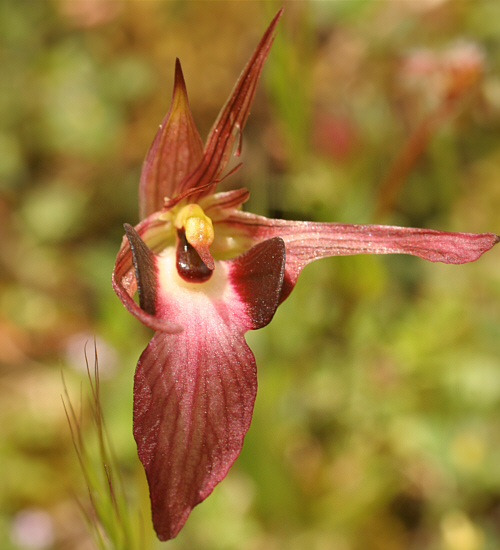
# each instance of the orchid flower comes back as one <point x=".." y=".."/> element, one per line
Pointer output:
<point x="207" y="272"/>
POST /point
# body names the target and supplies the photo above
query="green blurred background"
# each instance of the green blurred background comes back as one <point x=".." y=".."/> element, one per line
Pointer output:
<point x="377" y="421"/>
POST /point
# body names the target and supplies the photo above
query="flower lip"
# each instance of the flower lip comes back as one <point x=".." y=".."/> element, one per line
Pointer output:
<point x="194" y="392"/>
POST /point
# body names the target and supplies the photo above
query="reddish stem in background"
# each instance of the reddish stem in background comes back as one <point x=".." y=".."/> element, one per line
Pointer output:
<point x="461" y="68"/>
<point x="413" y="148"/>
<point x="409" y="154"/>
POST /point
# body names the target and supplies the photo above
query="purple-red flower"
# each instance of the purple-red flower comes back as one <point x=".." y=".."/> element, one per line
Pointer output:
<point x="206" y="273"/>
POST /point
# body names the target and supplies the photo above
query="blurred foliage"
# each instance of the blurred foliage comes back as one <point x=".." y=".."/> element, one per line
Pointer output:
<point x="377" y="422"/>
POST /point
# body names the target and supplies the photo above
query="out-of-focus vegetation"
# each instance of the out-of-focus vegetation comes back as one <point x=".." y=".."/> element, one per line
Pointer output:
<point x="377" y="422"/>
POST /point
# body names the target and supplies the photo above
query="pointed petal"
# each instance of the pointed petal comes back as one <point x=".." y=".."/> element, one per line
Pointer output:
<point x="218" y="206"/>
<point x="175" y="152"/>
<point x="309" y="241"/>
<point x="231" y="120"/>
<point x="194" y="391"/>
<point x="174" y="201"/>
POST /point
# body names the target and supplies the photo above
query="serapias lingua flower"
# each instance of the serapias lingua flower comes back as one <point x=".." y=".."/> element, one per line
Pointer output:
<point x="207" y="272"/>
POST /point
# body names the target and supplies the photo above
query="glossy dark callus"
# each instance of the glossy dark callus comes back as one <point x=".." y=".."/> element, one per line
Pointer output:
<point x="189" y="264"/>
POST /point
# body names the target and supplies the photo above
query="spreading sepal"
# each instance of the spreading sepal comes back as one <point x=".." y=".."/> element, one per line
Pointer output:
<point x="306" y="242"/>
